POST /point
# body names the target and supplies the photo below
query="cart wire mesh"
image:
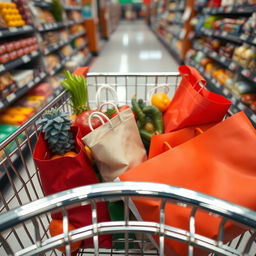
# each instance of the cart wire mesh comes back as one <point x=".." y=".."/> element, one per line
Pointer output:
<point x="24" y="230"/>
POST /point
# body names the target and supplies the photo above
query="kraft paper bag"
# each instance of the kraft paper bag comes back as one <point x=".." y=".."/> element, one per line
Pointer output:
<point x="116" y="145"/>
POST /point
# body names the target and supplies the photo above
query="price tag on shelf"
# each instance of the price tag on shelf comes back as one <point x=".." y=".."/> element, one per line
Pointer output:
<point x="37" y="79"/>
<point x="214" y="54"/>
<point x="254" y="40"/>
<point x="2" y="68"/>
<point x="213" y="81"/>
<point x="201" y="69"/>
<point x="244" y="37"/>
<point x="228" y="9"/>
<point x="240" y="106"/>
<point x="223" y="59"/>
<point x="1" y="104"/>
<point x="246" y="73"/>
<point x="25" y="58"/>
<point x="253" y="118"/>
<point x="232" y="66"/>
<point x="42" y="74"/>
<point x="224" y="33"/>
<point x="56" y="46"/>
<point x="1" y="33"/>
<point x="30" y="84"/>
<point x="217" y="84"/>
<point x="34" y="53"/>
<point x="254" y="79"/>
<point x="26" y="27"/>
<point x="13" y="29"/>
<point x="225" y="91"/>
<point x="11" y="97"/>
<point x="58" y="66"/>
<point x="233" y="99"/>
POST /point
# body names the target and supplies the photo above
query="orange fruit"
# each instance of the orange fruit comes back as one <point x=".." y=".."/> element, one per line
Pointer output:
<point x="56" y="156"/>
<point x="161" y="101"/>
<point x="71" y="154"/>
<point x="88" y="152"/>
<point x="56" y="228"/>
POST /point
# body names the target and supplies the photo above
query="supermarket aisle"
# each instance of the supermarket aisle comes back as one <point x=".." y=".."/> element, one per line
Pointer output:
<point x="134" y="48"/>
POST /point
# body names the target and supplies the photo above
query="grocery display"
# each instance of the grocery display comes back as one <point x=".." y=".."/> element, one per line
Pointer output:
<point x="170" y="20"/>
<point x="224" y="50"/>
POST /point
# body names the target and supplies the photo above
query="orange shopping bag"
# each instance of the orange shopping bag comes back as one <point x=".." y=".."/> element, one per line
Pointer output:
<point x="193" y="104"/>
<point x="220" y="162"/>
<point x="163" y="142"/>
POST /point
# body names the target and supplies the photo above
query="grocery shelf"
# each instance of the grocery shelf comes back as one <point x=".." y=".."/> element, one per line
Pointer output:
<point x="215" y="86"/>
<point x="74" y="22"/>
<point x="19" y="61"/>
<point x="11" y="98"/>
<point x="176" y="22"/>
<point x="242" y="9"/>
<point x="13" y="31"/>
<point x="80" y="47"/>
<point x="72" y="8"/>
<point x="51" y="26"/>
<point x="229" y="64"/>
<point x="177" y="10"/>
<point x="222" y="34"/>
<point x="42" y="4"/>
<point x="54" y="47"/>
<point x="167" y="44"/>
<point x="72" y="37"/>
<point x="57" y="68"/>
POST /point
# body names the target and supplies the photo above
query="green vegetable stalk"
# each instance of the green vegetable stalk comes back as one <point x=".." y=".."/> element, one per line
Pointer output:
<point x="77" y="87"/>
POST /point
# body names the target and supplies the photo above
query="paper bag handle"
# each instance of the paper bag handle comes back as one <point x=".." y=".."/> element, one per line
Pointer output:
<point x="112" y="104"/>
<point x="108" y="88"/>
<point x="98" y="115"/>
<point x="153" y="90"/>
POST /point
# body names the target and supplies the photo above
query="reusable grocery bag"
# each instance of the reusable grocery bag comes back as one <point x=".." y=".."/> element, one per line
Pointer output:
<point x="116" y="145"/>
<point x="219" y="162"/>
<point x="69" y="172"/>
<point x="166" y="141"/>
<point x="193" y="104"/>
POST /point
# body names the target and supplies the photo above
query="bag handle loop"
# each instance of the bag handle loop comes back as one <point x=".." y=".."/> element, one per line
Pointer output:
<point x="108" y="88"/>
<point x="153" y="90"/>
<point x="193" y="76"/>
<point x="112" y="104"/>
<point x="98" y="115"/>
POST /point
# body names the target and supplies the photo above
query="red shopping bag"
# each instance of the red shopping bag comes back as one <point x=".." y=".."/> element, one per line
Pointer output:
<point x="69" y="172"/>
<point x="163" y="142"/>
<point x="220" y="162"/>
<point x="193" y="104"/>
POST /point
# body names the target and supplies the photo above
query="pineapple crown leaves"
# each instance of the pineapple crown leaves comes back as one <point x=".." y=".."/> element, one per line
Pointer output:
<point x="56" y="128"/>
<point x="77" y="87"/>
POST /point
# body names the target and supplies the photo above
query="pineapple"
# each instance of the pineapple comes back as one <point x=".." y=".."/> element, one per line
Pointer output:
<point x="56" y="128"/>
<point x="77" y="87"/>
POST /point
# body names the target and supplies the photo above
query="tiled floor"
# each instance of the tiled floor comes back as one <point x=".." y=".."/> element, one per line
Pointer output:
<point x="134" y="48"/>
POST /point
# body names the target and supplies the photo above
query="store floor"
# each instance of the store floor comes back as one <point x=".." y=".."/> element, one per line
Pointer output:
<point x="134" y="48"/>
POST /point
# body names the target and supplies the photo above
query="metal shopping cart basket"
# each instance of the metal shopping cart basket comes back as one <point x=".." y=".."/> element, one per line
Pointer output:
<point x="25" y="213"/>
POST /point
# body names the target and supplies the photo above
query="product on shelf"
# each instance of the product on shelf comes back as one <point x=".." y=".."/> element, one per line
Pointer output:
<point x="74" y="15"/>
<point x="66" y="50"/>
<point x="10" y="15"/>
<point x="76" y="28"/>
<point x="7" y="84"/>
<point x="15" y="49"/>
<point x="22" y="77"/>
<point x="245" y="55"/>
<point x="42" y="16"/>
<point x="24" y="11"/>
<point x="51" y="61"/>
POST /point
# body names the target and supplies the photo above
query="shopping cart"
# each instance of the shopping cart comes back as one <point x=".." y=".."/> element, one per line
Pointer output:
<point x="25" y="213"/>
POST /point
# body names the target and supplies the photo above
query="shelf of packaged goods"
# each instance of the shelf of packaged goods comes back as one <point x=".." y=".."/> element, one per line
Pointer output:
<point x="72" y="8"/>
<point x="169" y="30"/>
<point x="42" y="4"/>
<point x="74" y="22"/>
<point x="222" y="34"/>
<point x="51" y="26"/>
<point x="57" y="68"/>
<point x="229" y="64"/>
<point x="54" y="47"/>
<point x="81" y="47"/>
<point x="215" y="86"/>
<point x="22" y="91"/>
<point x="169" y="47"/>
<point x="176" y="22"/>
<point x="13" y="31"/>
<point x="72" y="37"/>
<point x="242" y="9"/>
<point x="18" y="61"/>
<point x="177" y="10"/>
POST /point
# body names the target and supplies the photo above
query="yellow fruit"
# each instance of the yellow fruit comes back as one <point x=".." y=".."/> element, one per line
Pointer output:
<point x="161" y="101"/>
<point x="5" y="11"/>
<point x="71" y="154"/>
<point x="8" y="18"/>
<point x="88" y="152"/>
